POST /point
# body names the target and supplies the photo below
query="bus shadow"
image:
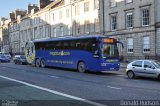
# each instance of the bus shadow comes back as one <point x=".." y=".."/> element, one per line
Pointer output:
<point x="147" y="79"/>
<point x="103" y="73"/>
<point x="87" y="72"/>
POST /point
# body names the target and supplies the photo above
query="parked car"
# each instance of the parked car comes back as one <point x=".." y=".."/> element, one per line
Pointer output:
<point x="6" y="54"/>
<point x="143" y="68"/>
<point x="4" y="59"/>
<point x="20" y="59"/>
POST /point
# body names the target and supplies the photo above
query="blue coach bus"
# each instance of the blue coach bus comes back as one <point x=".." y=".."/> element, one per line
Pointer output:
<point x="85" y="53"/>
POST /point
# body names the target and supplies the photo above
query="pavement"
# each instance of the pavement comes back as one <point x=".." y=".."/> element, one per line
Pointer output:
<point x="123" y="65"/>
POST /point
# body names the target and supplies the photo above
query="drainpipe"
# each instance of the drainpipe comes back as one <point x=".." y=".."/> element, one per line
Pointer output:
<point x="103" y="17"/>
<point x="155" y="5"/>
<point x="71" y="19"/>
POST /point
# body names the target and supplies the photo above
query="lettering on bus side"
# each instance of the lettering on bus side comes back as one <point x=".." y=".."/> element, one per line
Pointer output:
<point x="60" y="61"/>
<point x="111" y="61"/>
<point x="61" y="53"/>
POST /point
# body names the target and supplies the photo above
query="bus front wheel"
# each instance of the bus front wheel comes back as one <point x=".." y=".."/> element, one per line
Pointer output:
<point x="43" y="63"/>
<point x="81" y="67"/>
<point x="37" y="63"/>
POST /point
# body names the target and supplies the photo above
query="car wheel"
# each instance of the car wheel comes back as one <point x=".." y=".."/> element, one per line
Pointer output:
<point x="43" y="63"/>
<point x="159" y="77"/>
<point x="38" y="63"/>
<point x="81" y="67"/>
<point x="20" y="62"/>
<point x="130" y="74"/>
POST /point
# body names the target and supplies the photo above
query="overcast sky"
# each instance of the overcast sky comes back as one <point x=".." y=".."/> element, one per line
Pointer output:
<point x="7" y="6"/>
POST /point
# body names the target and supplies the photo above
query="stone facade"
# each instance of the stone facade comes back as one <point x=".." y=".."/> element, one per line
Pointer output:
<point x="134" y="22"/>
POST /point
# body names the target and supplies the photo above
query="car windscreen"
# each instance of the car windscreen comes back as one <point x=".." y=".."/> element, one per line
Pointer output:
<point x="3" y="56"/>
<point x="23" y="57"/>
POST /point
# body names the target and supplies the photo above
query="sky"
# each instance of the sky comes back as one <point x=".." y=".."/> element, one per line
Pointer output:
<point x="7" y="6"/>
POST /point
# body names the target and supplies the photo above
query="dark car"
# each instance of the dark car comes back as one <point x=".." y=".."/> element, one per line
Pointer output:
<point x="20" y="59"/>
<point x="4" y="58"/>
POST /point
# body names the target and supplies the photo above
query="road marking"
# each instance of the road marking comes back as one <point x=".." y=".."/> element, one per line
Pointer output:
<point x="114" y="87"/>
<point x="23" y="70"/>
<point x="54" y="92"/>
<point x="54" y="77"/>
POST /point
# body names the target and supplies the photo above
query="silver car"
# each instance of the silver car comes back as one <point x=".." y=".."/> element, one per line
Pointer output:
<point x="143" y="68"/>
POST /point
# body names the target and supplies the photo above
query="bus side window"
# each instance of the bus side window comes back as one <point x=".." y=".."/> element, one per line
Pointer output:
<point x="78" y="45"/>
<point x="72" y="45"/>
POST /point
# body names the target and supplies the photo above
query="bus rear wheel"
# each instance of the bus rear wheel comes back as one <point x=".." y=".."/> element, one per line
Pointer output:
<point x="81" y="67"/>
<point x="43" y="63"/>
<point x="38" y="63"/>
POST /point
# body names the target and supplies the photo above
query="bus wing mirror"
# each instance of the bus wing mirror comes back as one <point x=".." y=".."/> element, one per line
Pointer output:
<point x="96" y="54"/>
<point x="120" y="43"/>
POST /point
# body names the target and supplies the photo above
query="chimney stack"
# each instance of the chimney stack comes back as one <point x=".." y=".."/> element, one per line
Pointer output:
<point x="30" y="7"/>
<point x="12" y="16"/>
<point x="44" y="3"/>
<point x="20" y="12"/>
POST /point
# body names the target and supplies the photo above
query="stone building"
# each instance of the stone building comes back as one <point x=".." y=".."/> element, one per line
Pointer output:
<point x="14" y="30"/>
<point x="75" y="18"/>
<point x="26" y="29"/>
<point x="4" y="35"/>
<point x="134" y="23"/>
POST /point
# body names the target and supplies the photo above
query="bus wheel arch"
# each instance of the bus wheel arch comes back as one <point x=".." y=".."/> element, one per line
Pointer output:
<point x="158" y="77"/>
<point x="43" y="63"/>
<point x="81" y="66"/>
<point x="37" y="62"/>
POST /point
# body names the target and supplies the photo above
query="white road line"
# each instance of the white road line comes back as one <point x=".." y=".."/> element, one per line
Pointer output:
<point x="23" y="70"/>
<point x="114" y="87"/>
<point x="54" y="92"/>
<point x="54" y="77"/>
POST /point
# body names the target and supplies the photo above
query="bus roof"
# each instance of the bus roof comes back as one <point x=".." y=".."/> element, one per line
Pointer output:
<point x="69" y="38"/>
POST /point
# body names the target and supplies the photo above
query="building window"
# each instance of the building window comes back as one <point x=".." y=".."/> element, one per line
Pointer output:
<point x="129" y="20"/>
<point x="46" y="17"/>
<point x="41" y="31"/>
<point x="35" y="33"/>
<point x="61" y="31"/>
<point x="113" y="3"/>
<point x="67" y="13"/>
<point x="86" y="6"/>
<point x="46" y="31"/>
<point x="77" y="10"/>
<point x="113" y="22"/>
<point x="87" y="27"/>
<point x="130" y="45"/>
<point x="129" y="1"/>
<point x="68" y="30"/>
<point x="54" y="32"/>
<point x="145" y="17"/>
<point x="60" y="15"/>
<point x="53" y="17"/>
<point x="96" y="25"/>
<point x="146" y="44"/>
<point x="77" y="26"/>
<point x="40" y="19"/>
<point x="96" y="4"/>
